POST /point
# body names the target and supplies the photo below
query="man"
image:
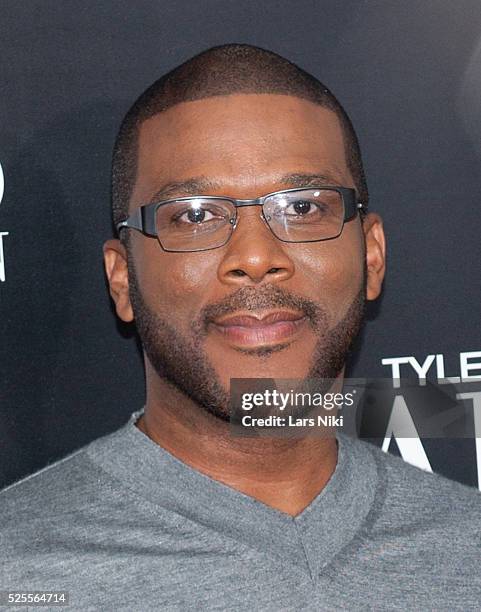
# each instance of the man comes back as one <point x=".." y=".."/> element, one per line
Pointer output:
<point x="245" y="251"/>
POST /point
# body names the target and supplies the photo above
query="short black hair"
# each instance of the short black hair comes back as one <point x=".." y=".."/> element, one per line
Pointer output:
<point x="223" y="70"/>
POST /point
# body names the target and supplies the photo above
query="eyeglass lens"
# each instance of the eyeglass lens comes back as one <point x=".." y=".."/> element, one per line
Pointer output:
<point x="205" y="223"/>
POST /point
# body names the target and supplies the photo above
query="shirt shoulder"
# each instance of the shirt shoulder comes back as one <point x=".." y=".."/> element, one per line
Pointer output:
<point x="70" y="483"/>
<point x="406" y="485"/>
<point x="422" y="520"/>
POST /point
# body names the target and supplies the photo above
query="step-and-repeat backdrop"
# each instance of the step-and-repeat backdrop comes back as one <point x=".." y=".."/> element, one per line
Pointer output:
<point x="409" y="74"/>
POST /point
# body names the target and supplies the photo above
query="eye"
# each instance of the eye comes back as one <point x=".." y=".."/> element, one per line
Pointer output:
<point x="301" y="207"/>
<point x="194" y="215"/>
<point x="304" y="208"/>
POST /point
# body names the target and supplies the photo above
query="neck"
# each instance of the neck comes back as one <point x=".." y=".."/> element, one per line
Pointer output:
<point x="286" y="474"/>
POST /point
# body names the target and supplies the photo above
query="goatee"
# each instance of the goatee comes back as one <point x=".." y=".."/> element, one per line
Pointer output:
<point x="183" y="362"/>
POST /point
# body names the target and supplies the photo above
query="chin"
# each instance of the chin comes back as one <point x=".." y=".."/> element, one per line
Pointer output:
<point x="263" y="363"/>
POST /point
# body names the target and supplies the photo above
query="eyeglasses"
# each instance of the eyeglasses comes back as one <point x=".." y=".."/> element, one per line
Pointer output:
<point x="201" y="223"/>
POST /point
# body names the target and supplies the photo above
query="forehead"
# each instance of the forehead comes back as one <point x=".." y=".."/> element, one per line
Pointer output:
<point x="241" y="141"/>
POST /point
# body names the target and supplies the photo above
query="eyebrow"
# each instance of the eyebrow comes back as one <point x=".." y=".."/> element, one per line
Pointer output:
<point x="192" y="186"/>
<point x="201" y="185"/>
<point x="306" y="180"/>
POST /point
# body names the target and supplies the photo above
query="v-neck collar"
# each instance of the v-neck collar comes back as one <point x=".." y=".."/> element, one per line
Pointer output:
<point x="309" y="540"/>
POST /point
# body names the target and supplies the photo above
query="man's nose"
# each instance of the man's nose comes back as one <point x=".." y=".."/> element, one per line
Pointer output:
<point x="253" y="253"/>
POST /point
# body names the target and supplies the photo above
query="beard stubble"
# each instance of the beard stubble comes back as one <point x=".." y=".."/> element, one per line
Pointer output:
<point x="183" y="363"/>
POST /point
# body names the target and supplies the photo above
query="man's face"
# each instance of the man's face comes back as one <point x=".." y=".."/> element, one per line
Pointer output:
<point x="256" y="307"/>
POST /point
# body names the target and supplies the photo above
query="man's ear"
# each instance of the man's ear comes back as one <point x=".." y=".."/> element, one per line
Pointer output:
<point x="115" y="262"/>
<point x="375" y="254"/>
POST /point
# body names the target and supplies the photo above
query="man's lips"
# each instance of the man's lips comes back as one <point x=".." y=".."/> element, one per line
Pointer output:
<point x="253" y="330"/>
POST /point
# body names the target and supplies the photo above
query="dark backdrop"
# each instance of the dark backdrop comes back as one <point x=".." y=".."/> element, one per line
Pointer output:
<point x="407" y="72"/>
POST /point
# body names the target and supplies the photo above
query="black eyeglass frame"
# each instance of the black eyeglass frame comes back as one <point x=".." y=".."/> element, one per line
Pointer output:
<point x="143" y="218"/>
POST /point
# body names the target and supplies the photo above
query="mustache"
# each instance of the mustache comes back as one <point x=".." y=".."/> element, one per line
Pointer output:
<point x="257" y="298"/>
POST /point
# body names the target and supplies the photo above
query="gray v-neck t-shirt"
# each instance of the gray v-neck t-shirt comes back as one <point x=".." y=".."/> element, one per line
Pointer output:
<point x="122" y="524"/>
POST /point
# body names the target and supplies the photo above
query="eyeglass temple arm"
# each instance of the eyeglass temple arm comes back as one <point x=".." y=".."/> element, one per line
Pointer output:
<point x="354" y="208"/>
<point x="134" y="221"/>
<point x="141" y="219"/>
